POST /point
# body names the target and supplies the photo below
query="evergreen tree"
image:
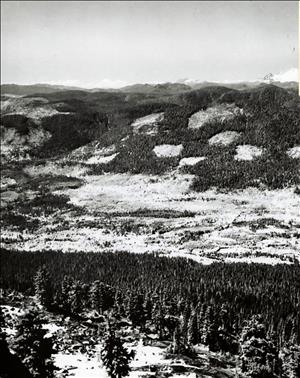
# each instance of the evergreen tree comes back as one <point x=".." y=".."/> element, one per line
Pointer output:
<point x="225" y="337"/>
<point x="10" y="366"/>
<point x="184" y="322"/>
<point x="137" y="310"/>
<point x="209" y="330"/>
<point x="115" y="356"/>
<point x="4" y="350"/>
<point x="148" y="305"/>
<point x="179" y="344"/>
<point x="32" y="347"/>
<point x="290" y="361"/>
<point x="118" y="307"/>
<point x="66" y="288"/>
<point x="170" y="322"/>
<point x="258" y="354"/>
<point x="207" y="317"/>
<point x="200" y="322"/>
<point x="2" y="325"/>
<point x="158" y="317"/>
<point x="193" y="332"/>
<point x="96" y="296"/>
<point x="75" y="296"/>
<point x="212" y="336"/>
<point x="101" y="296"/>
<point x="176" y="345"/>
<point x="42" y="287"/>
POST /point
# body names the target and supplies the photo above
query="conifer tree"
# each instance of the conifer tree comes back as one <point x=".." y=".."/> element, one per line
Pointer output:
<point x="32" y="347"/>
<point x="148" y="305"/>
<point x="42" y="287"/>
<point x="179" y="344"/>
<point x="184" y="322"/>
<point x="200" y="322"/>
<point x="290" y="361"/>
<point x="10" y="365"/>
<point x="2" y="325"/>
<point x="75" y="295"/>
<point x="158" y="317"/>
<point x="101" y="296"/>
<point x="193" y="332"/>
<point x="96" y="296"/>
<point x="206" y="326"/>
<point x="66" y="288"/>
<point x="118" y="307"/>
<point x="176" y="345"/>
<point x="116" y="358"/>
<point x="170" y="322"/>
<point x="137" y="310"/>
<point x="258" y="354"/>
<point x="225" y="338"/>
<point x="4" y="350"/>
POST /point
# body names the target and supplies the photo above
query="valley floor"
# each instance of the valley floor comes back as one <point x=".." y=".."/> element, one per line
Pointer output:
<point x="143" y="213"/>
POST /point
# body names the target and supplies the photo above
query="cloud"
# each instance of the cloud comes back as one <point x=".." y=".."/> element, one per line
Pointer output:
<point x="68" y="83"/>
<point x="290" y="75"/>
<point x="104" y="83"/>
<point x="108" y="83"/>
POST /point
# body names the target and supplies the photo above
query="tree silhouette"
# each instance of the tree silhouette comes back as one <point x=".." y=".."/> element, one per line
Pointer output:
<point x="115" y="356"/>
<point x="32" y="347"/>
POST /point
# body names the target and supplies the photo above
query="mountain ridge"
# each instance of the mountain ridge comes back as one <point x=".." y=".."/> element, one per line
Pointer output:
<point x="167" y="87"/>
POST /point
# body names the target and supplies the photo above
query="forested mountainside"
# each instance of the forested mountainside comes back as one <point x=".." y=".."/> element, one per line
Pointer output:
<point x="213" y="123"/>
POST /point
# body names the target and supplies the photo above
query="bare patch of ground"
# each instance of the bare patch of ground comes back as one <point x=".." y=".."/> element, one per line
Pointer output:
<point x="92" y="153"/>
<point x="247" y="152"/>
<point x="168" y="150"/>
<point x="294" y="152"/>
<point x="218" y="113"/>
<point x="190" y="161"/>
<point x="225" y="138"/>
<point x="101" y="159"/>
<point x="34" y="107"/>
<point x="147" y="125"/>
<point x="55" y="169"/>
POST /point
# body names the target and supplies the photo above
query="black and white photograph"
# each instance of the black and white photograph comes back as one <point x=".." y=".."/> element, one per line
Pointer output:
<point x="150" y="189"/>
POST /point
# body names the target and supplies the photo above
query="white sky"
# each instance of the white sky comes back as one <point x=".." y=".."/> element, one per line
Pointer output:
<point x="111" y="44"/>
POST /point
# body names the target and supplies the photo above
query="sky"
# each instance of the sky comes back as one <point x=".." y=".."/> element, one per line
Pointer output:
<point x="111" y="44"/>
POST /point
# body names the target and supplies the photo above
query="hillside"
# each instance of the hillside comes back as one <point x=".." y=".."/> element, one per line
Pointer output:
<point x="21" y="90"/>
<point x="242" y="85"/>
<point x="215" y="172"/>
<point x="164" y="88"/>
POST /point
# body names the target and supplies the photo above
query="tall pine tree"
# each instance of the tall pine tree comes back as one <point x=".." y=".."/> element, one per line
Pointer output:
<point x="116" y="358"/>
<point x="193" y="332"/>
<point x="259" y="355"/>
<point x="32" y="347"/>
<point x="42" y="287"/>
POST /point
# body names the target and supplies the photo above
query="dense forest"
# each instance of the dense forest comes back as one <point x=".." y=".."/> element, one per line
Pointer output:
<point x="243" y="290"/>
<point x="247" y="310"/>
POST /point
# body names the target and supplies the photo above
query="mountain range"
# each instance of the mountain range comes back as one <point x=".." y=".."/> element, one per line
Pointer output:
<point x="16" y="89"/>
